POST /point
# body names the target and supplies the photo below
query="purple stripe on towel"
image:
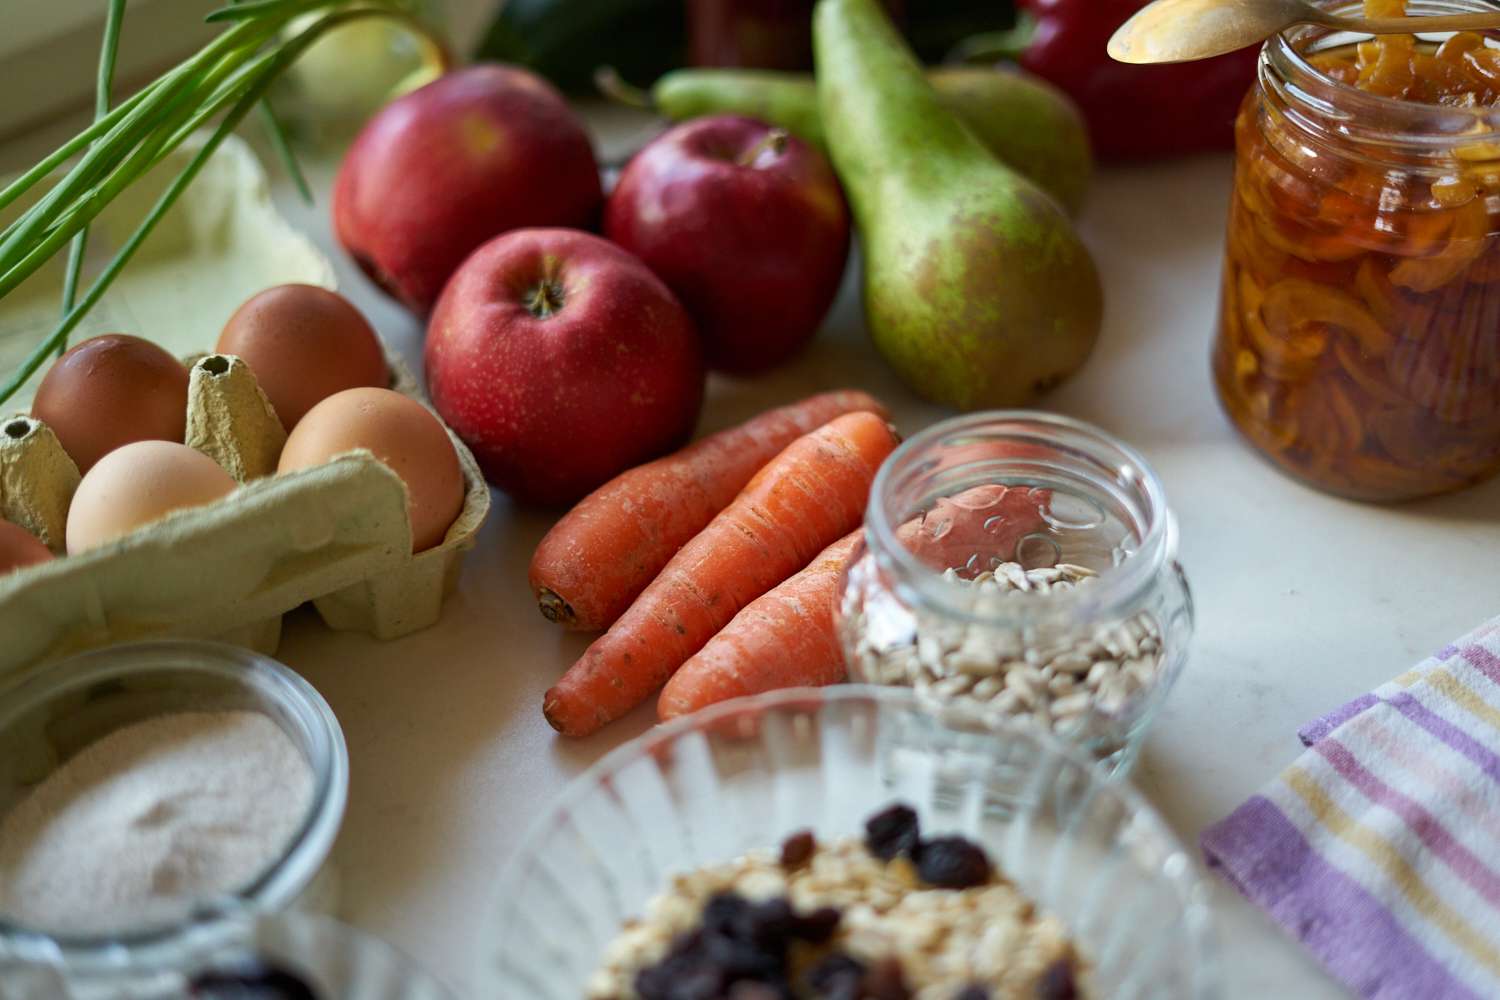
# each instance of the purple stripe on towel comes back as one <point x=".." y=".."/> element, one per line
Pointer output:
<point x="1357" y="939"/>
<point x="1325" y="724"/>
<point x="1484" y="661"/>
<point x="1446" y="731"/>
<point x="1428" y="828"/>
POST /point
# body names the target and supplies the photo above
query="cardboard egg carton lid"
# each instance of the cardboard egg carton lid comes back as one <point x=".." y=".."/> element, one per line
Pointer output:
<point x="338" y="534"/>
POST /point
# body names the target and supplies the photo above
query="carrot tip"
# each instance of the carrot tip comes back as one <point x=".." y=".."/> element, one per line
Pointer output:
<point x="555" y="609"/>
<point x="555" y="709"/>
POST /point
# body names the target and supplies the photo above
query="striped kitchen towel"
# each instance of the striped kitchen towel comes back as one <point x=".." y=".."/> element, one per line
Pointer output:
<point x="1379" y="848"/>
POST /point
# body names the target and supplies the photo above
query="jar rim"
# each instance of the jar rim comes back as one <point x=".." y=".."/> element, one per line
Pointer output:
<point x="1359" y="115"/>
<point x="285" y="876"/>
<point x="1116" y="587"/>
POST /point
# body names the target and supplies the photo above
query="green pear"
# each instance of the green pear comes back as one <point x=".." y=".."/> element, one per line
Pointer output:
<point x="976" y="289"/>
<point x="1023" y="120"/>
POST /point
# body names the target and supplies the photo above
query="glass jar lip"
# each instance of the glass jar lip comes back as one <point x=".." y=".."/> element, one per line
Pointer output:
<point x="1116" y="587"/>
<point x="286" y="876"/>
<point x="1282" y="59"/>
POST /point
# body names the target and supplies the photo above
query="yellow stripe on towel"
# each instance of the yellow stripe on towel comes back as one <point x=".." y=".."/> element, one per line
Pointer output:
<point x="1446" y="683"/>
<point x="1384" y="856"/>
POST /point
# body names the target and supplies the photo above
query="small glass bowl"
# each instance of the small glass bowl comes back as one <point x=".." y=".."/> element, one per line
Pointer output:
<point x="70" y="705"/>
<point x="334" y="960"/>
<point x="1018" y="565"/>
<point x="746" y="774"/>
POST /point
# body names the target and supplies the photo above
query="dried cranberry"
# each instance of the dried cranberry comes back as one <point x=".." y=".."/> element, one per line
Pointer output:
<point x="797" y="850"/>
<point x="251" y="980"/>
<point x="892" y="832"/>
<point x="952" y="863"/>
<point x="1058" y="982"/>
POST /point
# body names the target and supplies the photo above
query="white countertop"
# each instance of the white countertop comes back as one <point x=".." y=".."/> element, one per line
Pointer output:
<point x="1303" y="600"/>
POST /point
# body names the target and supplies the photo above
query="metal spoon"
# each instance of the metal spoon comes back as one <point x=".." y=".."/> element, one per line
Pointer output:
<point x="1183" y="30"/>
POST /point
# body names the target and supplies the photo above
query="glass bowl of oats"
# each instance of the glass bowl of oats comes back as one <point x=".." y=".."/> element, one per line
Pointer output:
<point x="1021" y="566"/>
<point x="848" y="841"/>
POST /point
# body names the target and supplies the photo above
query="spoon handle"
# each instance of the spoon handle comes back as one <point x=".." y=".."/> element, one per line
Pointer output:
<point x="1413" y="25"/>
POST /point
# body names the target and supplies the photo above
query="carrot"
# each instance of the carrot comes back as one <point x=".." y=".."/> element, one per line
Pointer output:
<point x="604" y="552"/>
<point x="811" y="494"/>
<point x="784" y="638"/>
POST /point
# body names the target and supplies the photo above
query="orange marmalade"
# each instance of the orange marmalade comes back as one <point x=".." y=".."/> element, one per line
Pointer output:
<point x="1359" y="334"/>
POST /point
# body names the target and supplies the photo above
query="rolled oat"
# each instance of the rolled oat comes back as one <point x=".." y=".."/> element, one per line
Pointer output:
<point x="987" y="935"/>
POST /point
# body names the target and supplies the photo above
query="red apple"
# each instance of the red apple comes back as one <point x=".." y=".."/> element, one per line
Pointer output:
<point x="561" y="361"/>
<point x="469" y="156"/>
<point x="746" y="224"/>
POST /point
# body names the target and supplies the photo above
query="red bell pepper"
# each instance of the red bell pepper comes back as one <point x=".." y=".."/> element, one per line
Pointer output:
<point x="1133" y="112"/>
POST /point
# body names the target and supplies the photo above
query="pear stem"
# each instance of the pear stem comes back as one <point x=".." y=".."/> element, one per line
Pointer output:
<point x="993" y="46"/>
<point x="774" y="140"/>
<point x="613" y="86"/>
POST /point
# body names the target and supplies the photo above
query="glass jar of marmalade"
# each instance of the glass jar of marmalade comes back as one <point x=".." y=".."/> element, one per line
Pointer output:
<point x="1359" y="333"/>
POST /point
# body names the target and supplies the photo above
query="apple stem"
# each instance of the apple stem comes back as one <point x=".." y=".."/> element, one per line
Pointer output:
<point x="775" y="141"/>
<point x="545" y="299"/>
<point x="613" y="86"/>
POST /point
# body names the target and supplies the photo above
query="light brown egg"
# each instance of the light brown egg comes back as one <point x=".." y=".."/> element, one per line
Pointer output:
<point x="303" y="344"/>
<point x="400" y="432"/>
<point x="19" y="548"/>
<point x="109" y="391"/>
<point x="138" y="484"/>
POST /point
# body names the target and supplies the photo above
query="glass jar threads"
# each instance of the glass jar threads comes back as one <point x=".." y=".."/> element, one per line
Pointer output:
<point x="1359" y="334"/>
<point x="1021" y="565"/>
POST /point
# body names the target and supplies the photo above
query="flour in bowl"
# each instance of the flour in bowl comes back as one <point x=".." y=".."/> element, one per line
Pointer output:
<point x="152" y="818"/>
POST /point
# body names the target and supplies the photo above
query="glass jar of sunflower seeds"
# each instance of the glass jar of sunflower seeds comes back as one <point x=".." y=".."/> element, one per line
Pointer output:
<point x="1021" y="565"/>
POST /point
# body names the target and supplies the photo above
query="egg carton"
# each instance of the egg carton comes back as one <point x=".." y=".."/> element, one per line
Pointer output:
<point x="338" y="535"/>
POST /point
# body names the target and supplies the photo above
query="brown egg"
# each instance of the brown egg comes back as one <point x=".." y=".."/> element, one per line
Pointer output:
<point x="19" y="548"/>
<point x="140" y="483"/>
<point x="304" y="343"/>
<point x="400" y="432"/>
<point x="110" y="391"/>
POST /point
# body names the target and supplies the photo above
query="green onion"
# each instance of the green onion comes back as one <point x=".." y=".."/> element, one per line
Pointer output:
<point x="225" y="80"/>
<point x="102" y="87"/>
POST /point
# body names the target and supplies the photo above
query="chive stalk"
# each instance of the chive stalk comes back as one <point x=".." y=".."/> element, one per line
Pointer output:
<point x="228" y="77"/>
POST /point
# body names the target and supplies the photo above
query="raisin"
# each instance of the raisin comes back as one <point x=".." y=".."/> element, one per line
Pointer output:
<point x="251" y="980"/>
<point x="885" y="981"/>
<point x="818" y="926"/>
<point x="747" y="989"/>
<point x="726" y="914"/>
<point x="772" y="924"/>
<point x="797" y="850"/>
<point x="973" y="991"/>
<point x="1058" y="982"/>
<point x="835" y="977"/>
<point x="738" y="952"/>
<point x="742" y="959"/>
<point x="892" y="832"/>
<point x="683" y="974"/>
<point x="952" y="863"/>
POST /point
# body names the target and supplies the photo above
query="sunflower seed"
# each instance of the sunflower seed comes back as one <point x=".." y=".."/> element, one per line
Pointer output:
<point x="1055" y="679"/>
